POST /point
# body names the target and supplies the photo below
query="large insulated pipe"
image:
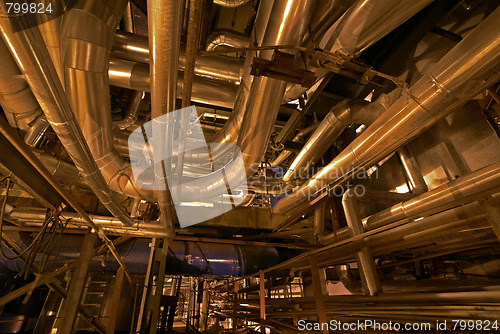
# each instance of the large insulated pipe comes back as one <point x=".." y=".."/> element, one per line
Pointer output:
<point x="34" y="60"/>
<point x="20" y="106"/>
<point x="366" y="22"/>
<point x="340" y="116"/>
<point x="136" y="48"/>
<point x="183" y="257"/>
<point x="468" y="68"/>
<point x="133" y="75"/>
<point x="86" y="37"/>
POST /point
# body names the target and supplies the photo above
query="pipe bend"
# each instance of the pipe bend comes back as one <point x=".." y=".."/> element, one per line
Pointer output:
<point x="230" y="3"/>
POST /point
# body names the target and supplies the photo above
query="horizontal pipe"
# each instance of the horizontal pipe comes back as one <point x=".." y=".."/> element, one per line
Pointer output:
<point x="135" y="48"/>
<point x="132" y="75"/>
<point x="184" y="257"/>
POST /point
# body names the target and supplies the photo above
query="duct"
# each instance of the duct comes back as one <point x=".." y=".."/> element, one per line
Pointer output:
<point x="131" y="75"/>
<point x="364" y="257"/>
<point x="132" y="111"/>
<point x="298" y="137"/>
<point x="36" y="132"/>
<point x="32" y="55"/>
<point x="16" y="99"/>
<point x="366" y="22"/>
<point x="468" y="68"/>
<point x="230" y="3"/>
<point x="135" y="48"/>
<point x="227" y="38"/>
<point x="184" y="257"/>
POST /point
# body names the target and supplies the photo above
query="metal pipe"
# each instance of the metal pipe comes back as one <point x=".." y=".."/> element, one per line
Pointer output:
<point x="298" y="137"/>
<point x="230" y="3"/>
<point x="193" y="38"/>
<point x="340" y="116"/>
<point x="462" y="190"/>
<point x="415" y="178"/>
<point x="184" y="257"/>
<point x="366" y="22"/>
<point x="325" y="14"/>
<point x="448" y="85"/>
<point x="132" y="75"/>
<point x="32" y="56"/>
<point x="136" y="48"/>
<point x="87" y="88"/>
<point x="227" y="38"/>
<point x="35" y="134"/>
<point x="20" y="106"/>
<point x="27" y="153"/>
<point x="132" y="111"/>
<point x="364" y="257"/>
<point x="319" y="219"/>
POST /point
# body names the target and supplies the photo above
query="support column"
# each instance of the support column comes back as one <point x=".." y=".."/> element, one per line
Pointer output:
<point x="318" y="292"/>
<point x="117" y="291"/>
<point x="77" y="285"/>
<point x="262" y="296"/>
<point x="205" y="303"/>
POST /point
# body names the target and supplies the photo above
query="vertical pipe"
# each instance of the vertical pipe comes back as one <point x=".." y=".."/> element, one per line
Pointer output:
<point x="369" y="276"/>
<point x="115" y="302"/>
<point x="78" y="282"/>
<point x="262" y="299"/>
<point x="193" y="36"/>
<point x="164" y="29"/>
<point x="319" y="220"/>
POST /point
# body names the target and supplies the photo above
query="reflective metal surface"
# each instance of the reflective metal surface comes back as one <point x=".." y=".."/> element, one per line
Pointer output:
<point x="42" y="77"/>
<point x="227" y="38"/>
<point x="132" y="75"/>
<point x="136" y="48"/>
<point x="366" y="22"/>
<point x="469" y="67"/>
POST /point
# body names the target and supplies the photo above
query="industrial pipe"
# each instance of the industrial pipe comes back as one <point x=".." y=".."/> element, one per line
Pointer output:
<point x="366" y="22"/>
<point x="135" y="48"/>
<point x="468" y="68"/>
<point x="227" y="38"/>
<point x="340" y="116"/>
<point x="132" y="75"/>
<point x="42" y="78"/>
<point x="184" y="257"/>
